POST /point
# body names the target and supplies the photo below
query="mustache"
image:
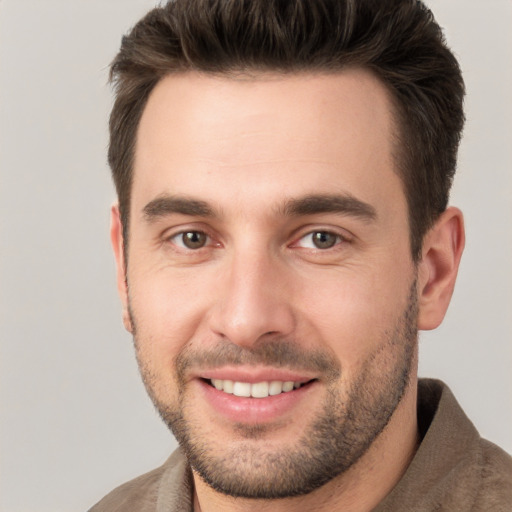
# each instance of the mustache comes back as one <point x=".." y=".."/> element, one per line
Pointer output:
<point x="274" y="353"/>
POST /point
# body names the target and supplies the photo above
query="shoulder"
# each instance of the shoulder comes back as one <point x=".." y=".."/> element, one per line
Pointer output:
<point x="478" y="471"/>
<point x="138" y="494"/>
<point x="495" y="493"/>
<point x="454" y="468"/>
<point x="141" y="493"/>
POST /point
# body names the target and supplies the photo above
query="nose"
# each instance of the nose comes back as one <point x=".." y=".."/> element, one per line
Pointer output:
<point x="252" y="301"/>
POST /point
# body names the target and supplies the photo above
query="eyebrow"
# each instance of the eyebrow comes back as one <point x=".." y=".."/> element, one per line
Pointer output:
<point x="345" y="204"/>
<point x="315" y="204"/>
<point x="166" y="205"/>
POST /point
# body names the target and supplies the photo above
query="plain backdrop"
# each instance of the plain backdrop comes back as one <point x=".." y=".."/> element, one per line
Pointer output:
<point x="75" y="420"/>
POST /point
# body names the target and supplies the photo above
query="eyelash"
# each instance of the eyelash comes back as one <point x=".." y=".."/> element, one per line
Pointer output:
<point x="173" y="239"/>
<point x="176" y="239"/>
<point x="338" y="239"/>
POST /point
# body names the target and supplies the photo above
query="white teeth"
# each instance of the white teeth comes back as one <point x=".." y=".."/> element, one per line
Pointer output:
<point x="287" y="386"/>
<point x="259" y="390"/>
<point x="275" y="388"/>
<point x="228" y="386"/>
<point x="256" y="390"/>
<point x="242" y="389"/>
<point x="217" y="383"/>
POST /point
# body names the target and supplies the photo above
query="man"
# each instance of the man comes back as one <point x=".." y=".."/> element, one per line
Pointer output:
<point x="282" y="233"/>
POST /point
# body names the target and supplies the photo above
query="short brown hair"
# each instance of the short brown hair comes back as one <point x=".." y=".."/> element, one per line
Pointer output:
<point x="398" y="40"/>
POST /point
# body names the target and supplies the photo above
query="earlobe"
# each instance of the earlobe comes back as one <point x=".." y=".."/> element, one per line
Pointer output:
<point x="442" y="249"/>
<point x="118" y="246"/>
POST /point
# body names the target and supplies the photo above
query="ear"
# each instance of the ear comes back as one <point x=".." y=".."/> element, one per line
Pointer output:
<point x="441" y="253"/>
<point x="116" y="238"/>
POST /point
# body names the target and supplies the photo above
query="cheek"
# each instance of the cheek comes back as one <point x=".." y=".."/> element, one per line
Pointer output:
<point x="352" y="313"/>
<point x="167" y="311"/>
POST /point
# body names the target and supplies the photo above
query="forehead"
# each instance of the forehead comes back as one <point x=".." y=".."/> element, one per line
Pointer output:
<point x="204" y="134"/>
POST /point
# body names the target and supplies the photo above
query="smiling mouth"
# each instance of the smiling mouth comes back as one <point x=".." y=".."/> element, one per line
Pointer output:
<point x="255" y="390"/>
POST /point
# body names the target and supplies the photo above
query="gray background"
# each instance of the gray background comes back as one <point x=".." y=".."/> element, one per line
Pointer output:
<point x="75" y="420"/>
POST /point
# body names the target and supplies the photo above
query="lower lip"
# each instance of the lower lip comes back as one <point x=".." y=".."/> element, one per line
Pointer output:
<point x="254" y="410"/>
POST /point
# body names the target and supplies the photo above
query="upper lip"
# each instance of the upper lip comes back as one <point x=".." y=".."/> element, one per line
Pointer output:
<point x="253" y="375"/>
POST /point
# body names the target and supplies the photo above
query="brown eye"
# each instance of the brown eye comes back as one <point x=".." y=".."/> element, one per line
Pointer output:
<point x="324" y="239"/>
<point x="320" y="240"/>
<point x="191" y="239"/>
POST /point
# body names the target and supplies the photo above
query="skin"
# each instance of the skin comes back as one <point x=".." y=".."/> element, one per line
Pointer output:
<point x="245" y="147"/>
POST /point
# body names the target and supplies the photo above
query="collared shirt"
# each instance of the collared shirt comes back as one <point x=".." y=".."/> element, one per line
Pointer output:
<point x="454" y="469"/>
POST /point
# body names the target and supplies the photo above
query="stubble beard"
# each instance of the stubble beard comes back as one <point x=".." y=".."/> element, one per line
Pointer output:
<point x="341" y="433"/>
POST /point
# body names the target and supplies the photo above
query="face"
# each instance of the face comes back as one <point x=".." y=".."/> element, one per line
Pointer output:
<point x="270" y="286"/>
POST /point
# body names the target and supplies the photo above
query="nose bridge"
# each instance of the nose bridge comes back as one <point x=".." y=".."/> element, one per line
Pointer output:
<point x="252" y="301"/>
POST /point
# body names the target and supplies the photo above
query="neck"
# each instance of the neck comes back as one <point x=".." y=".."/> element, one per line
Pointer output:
<point x="360" y="489"/>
